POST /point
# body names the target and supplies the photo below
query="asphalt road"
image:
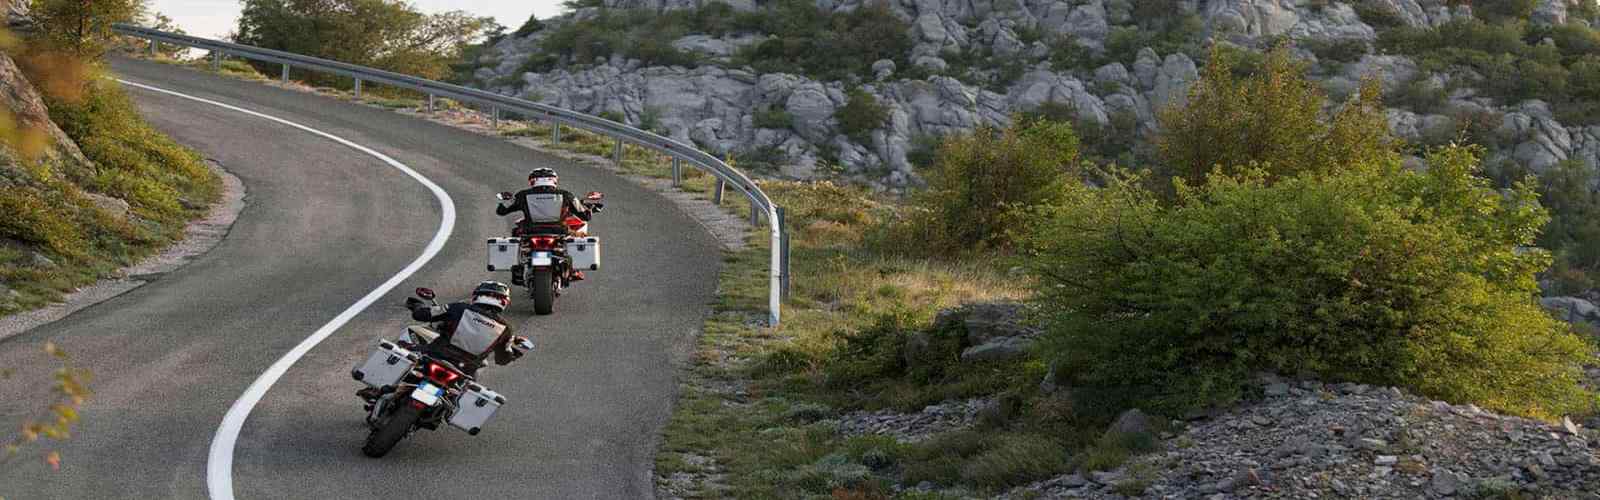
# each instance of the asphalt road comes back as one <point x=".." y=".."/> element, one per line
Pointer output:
<point x="324" y="225"/>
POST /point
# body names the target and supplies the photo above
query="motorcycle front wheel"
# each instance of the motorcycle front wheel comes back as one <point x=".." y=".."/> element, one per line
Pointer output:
<point x="384" y="437"/>
<point x="544" y="290"/>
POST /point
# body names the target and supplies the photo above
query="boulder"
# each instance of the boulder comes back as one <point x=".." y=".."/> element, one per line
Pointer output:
<point x="1001" y="349"/>
<point x="117" y="207"/>
<point x="1130" y="422"/>
<point x="1572" y="309"/>
<point x="1172" y="82"/>
<point x="1550" y="12"/>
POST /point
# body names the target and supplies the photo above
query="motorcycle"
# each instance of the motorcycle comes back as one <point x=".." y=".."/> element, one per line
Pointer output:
<point x="549" y="257"/>
<point x="418" y="391"/>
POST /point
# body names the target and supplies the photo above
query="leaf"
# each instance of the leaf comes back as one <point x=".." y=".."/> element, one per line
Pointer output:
<point x="54" y="459"/>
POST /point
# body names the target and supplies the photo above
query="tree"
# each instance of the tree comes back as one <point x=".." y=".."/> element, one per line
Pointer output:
<point x="387" y="34"/>
<point x="81" y="28"/>
<point x="1273" y="118"/>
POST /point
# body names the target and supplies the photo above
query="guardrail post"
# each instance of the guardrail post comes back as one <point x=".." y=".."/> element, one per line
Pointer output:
<point x="616" y="152"/>
<point x="358" y="89"/>
<point x="555" y="132"/>
<point x="716" y="192"/>
<point x="783" y="257"/>
<point x="430" y="104"/>
<point x="153" y="45"/>
<point x="494" y="121"/>
<point x="286" y="73"/>
<point x="216" y="61"/>
<point x="755" y="214"/>
<point x="677" y="172"/>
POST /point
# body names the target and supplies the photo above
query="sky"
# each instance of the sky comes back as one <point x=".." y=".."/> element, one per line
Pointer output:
<point x="216" y="18"/>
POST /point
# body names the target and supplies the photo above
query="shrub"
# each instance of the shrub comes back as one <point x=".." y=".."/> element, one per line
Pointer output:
<point x="1378" y="15"/>
<point x="860" y="115"/>
<point x="531" y="26"/>
<point x="824" y="45"/>
<point x="1373" y="274"/>
<point x="1273" y="118"/>
<point x="1340" y="50"/>
<point x="773" y="118"/>
<point x="1574" y="230"/>
<point x="984" y="181"/>
<point x="1497" y="11"/>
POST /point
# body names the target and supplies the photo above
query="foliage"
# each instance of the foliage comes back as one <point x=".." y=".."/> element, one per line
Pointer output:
<point x="1574" y="230"/>
<point x="385" y="34"/>
<point x="1159" y="25"/>
<point x="1273" y="119"/>
<point x="773" y="118"/>
<point x="827" y="46"/>
<point x="69" y="389"/>
<point x="860" y="115"/>
<point x="531" y="26"/>
<point x="1378" y="15"/>
<point x="1344" y="50"/>
<point x="1499" y="11"/>
<point x="81" y="28"/>
<point x="985" y="181"/>
<point x="1371" y="273"/>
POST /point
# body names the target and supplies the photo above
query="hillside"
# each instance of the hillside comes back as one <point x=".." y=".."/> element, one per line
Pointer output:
<point x="774" y="84"/>
<point x="86" y="186"/>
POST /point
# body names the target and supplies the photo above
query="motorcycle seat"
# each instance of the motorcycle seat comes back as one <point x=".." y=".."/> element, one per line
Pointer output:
<point x="423" y="334"/>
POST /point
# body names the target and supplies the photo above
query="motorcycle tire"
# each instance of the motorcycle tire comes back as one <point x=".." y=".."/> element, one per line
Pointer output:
<point x="385" y="437"/>
<point x="544" y="291"/>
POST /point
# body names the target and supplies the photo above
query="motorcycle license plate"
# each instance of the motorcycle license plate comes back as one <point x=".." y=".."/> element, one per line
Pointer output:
<point x="427" y="394"/>
<point x="540" y="259"/>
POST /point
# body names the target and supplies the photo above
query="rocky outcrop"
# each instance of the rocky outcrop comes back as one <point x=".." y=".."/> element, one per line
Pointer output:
<point x="1314" y="440"/>
<point x="715" y="105"/>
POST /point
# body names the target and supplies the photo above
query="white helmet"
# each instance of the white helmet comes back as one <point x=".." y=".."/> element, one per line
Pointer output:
<point x="493" y="294"/>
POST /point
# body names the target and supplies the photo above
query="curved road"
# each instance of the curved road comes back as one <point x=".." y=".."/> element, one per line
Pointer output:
<point x="323" y="226"/>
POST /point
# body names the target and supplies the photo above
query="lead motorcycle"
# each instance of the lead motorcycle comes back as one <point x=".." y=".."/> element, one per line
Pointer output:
<point x="418" y="391"/>
<point x="546" y="258"/>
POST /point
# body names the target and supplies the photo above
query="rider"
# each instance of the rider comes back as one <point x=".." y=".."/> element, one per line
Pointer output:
<point x="545" y="207"/>
<point x="468" y="331"/>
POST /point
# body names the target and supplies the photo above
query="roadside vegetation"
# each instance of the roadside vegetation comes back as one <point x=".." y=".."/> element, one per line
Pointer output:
<point x="77" y="207"/>
<point x="1164" y="289"/>
<point x="384" y="34"/>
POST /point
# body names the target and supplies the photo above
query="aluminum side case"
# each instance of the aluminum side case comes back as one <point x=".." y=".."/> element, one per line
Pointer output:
<point x="475" y="407"/>
<point x="385" y="366"/>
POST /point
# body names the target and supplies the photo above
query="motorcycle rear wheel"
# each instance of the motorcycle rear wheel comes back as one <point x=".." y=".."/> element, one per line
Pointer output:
<point x="385" y="437"/>
<point x="544" y="291"/>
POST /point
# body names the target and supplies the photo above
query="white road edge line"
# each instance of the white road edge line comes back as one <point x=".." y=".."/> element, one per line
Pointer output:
<point x="219" y="465"/>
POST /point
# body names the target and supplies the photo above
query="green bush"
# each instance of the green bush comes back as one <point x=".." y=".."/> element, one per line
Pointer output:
<point x="1378" y="15"/>
<point x="827" y="46"/>
<point x="984" y="181"/>
<point x="1574" y="230"/>
<point x="1273" y="118"/>
<point x="1497" y="11"/>
<point x="1372" y="274"/>
<point x="773" y="118"/>
<point x="860" y="115"/>
<point x="1340" y="50"/>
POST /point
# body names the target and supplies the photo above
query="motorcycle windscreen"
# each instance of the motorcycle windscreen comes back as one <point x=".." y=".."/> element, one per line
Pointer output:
<point x="544" y="208"/>
<point x="476" y="333"/>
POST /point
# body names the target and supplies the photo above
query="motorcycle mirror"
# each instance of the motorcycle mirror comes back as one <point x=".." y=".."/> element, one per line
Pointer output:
<point x="425" y="293"/>
<point x="504" y="195"/>
<point x="594" y="195"/>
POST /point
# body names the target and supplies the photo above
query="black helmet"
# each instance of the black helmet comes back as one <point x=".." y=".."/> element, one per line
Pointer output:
<point x="542" y="173"/>
<point x="493" y="294"/>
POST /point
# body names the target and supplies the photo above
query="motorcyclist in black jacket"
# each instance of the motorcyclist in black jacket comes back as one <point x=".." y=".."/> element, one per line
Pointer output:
<point x="545" y="207"/>
<point x="469" y="332"/>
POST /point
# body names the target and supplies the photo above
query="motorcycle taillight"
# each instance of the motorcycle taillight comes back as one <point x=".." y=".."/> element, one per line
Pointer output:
<point x="444" y="376"/>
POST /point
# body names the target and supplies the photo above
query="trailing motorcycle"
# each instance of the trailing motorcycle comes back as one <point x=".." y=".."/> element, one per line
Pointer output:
<point x="418" y="391"/>
<point x="547" y="259"/>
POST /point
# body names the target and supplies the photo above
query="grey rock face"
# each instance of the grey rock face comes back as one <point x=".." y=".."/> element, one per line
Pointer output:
<point x="1572" y="309"/>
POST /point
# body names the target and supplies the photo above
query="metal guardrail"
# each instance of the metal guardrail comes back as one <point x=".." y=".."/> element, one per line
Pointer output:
<point x="680" y="153"/>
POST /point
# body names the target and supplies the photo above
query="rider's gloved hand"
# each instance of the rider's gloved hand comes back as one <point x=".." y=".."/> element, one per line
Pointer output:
<point x="521" y="345"/>
<point x="413" y="303"/>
